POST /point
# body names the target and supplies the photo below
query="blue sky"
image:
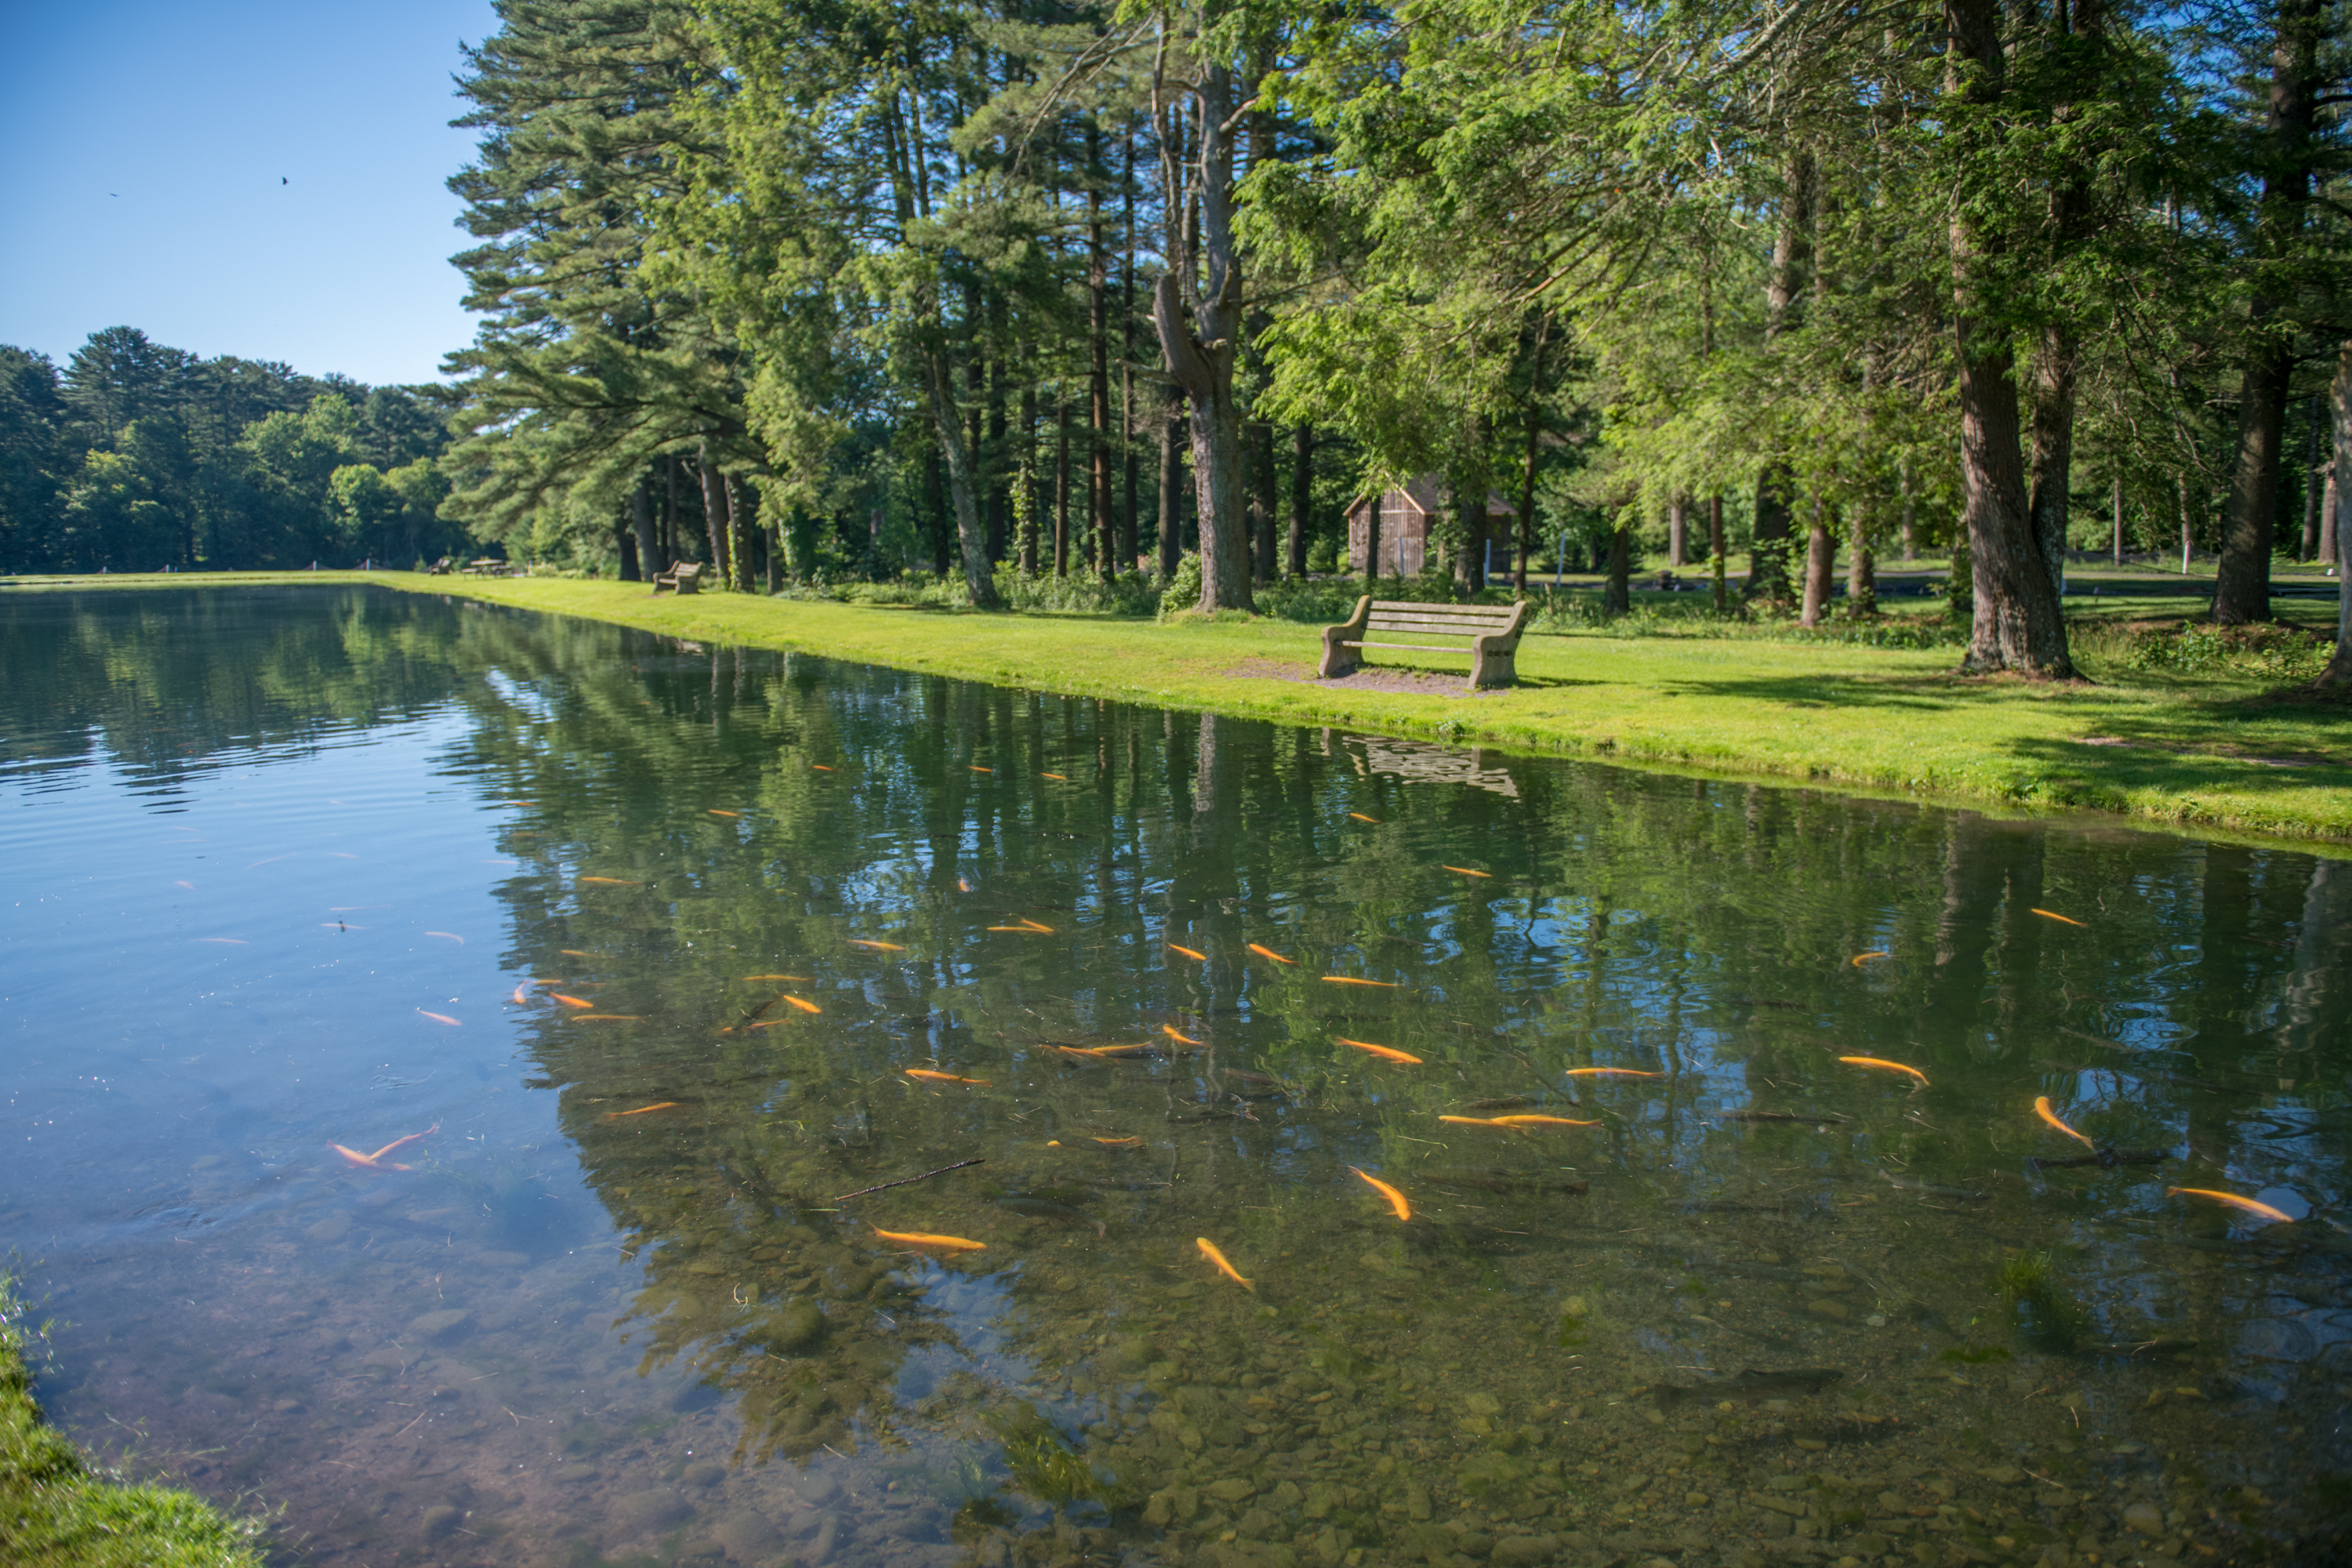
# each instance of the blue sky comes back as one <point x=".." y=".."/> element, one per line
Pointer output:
<point x="143" y="147"/>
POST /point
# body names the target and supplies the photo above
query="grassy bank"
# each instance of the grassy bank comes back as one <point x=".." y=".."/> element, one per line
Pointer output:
<point x="58" y="1512"/>
<point x="2180" y="732"/>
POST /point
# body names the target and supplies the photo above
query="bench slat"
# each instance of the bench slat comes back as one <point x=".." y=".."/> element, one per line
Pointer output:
<point x="1414" y="606"/>
<point x="1421" y="646"/>
<point x="1433" y="628"/>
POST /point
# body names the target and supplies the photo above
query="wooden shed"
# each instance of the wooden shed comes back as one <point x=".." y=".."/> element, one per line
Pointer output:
<point x="1407" y="515"/>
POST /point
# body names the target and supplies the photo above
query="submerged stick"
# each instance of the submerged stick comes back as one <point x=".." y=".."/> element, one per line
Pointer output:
<point x="911" y="1181"/>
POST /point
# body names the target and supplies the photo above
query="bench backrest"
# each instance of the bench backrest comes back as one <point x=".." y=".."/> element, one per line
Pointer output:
<point x="1442" y="620"/>
<point x="688" y="569"/>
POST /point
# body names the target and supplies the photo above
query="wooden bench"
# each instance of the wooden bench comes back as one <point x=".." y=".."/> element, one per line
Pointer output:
<point x="686" y="577"/>
<point x="1489" y="633"/>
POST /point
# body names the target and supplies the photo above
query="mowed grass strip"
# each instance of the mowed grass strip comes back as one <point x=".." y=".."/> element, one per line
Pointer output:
<point x="57" y="1510"/>
<point x="2211" y="752"/>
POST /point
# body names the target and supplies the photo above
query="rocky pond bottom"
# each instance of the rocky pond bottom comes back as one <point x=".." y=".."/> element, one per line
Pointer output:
<point x="862" y="1119"/>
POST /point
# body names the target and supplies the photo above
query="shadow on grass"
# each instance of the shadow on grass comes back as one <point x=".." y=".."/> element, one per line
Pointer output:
<point x="1933" y="690"/>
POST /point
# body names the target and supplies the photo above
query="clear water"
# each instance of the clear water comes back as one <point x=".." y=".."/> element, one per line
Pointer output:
<point x="615" y="1305"/>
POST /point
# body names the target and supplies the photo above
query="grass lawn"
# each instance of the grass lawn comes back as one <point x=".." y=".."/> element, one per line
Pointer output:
<point x="57" y="1511"/>
<point x="2219" y="748"/>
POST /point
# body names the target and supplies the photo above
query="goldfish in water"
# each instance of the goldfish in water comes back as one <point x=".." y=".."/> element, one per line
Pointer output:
<point x="716" y="812"/>
<point x="1474" y="1121"/>
<point x="819" y="767"/>
<point x="440" y="1018"/>
<point x="1397" y="1200"/>
<point x="1351" y="980"/>
<point x="1862" y="958"/>
<point x="1386" y="1053"/>
<point x="1466" y="871"/>
<point x="1529" y="1119"/>
<point x="1224" y="1267"/>
<point x="927" y="1076"/>
<point x="375" y="1162"/>
<point x="1063" y="778"/>
<point x="608" y="1017"/>
<point x="521" y="994"/>
<point x="2066" y="921"/>
<point x="1120" y="1143"/>
<point x="804" y="1006"/>
<point x="1884" y="1066"/>
<point x="1359" y="817"/>
<point x="2050" y="1117"/>
<point x="1611" y="1072"/>
<point x="569" y="1001"/>
<point x="1268" y="953"/>
<point x="1034" y="925"/>
<point x="797" y="979"/>
<point x="447" y="936"/>
<point x="573" y="953"/>
<point x="613" y="881"/>
<point x="2235" y="1202"/>
<point x="877" y="946"/>
<point x="975" y="768"/>
<point x="1195" y="956"/>
<point x="924" y="1239"/>
<point x="641" y="1109"/>
<point x="1178" y="1035"/>
<point x="962" y="886"/>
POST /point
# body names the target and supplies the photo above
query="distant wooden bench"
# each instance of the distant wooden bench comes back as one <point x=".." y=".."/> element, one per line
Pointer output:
<point x="686" y="577"/>
<point x="1489" y="633"/>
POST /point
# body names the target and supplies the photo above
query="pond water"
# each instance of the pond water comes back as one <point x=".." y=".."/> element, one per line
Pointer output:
<point x="664" y="955"/>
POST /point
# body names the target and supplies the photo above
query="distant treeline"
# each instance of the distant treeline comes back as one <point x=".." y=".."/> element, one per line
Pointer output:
<point x="136" y="457"/>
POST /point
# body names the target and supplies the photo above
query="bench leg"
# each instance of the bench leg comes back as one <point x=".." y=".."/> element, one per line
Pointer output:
<point x="1492" y="666"/>
<point x="1338" y="660"/>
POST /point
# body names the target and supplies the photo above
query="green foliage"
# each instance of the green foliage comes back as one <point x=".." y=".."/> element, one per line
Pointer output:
<point x="1182" y="593"/>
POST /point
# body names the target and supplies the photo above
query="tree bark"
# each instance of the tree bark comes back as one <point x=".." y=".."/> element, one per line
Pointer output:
<point x="1715" y="544"/>
<point x="2242" y="584"/>
<point x="1821" y="558"/>
<point x="641" y="517"/>
<point x="2316" y="429"/>
<point x="714" y="514"/>
<point x="739" y="530"/>
<point x="1061" y="484"/>
<point x="2116" y="501"/>
<point x="627" y="540"/>
<point x="2337" y="676"/>
<point x="1677" y="531"/>
<point x="1302" y="495"/>
<point x="1171" y="482"/>
<point x="1129" y="430"/>
<point x="1100" y="547"/>
<point x="2016" y="625"/>
<point x="1862" y="561"/>
<point x="964" y="497"/>
<point x="1617" y="596"/>
<point x="1200" y="354"/>
<point x="1372" y="562"/>
<point x="2051" y="475"/>
<point x="1784" y="294"/>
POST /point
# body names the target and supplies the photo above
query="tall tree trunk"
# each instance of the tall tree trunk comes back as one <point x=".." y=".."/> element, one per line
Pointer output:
<point x="963" y="489"/>
<point x="2051" y="474"/>
<point x="2116" y="500"/>
<point x="739" y="507"/>
<point x="1025" y="473"/>
<point x="1617" y="596"/>
<point x="641" y="517"/>
<point x="1678" y="531"/>
<point x="1784" y="295"/>
<point x="714" y="514"/>
<point x="2242" y="585"/>
<point x="1061" y="482"/>
<point x="1716" y="550"/>
<point x="1821" y="558"/>
<point x="998" y="472"/>
<point x="1302" y="495"/>
<point x="1910" y="512"/>
<point x="1200" y="354"/>
<point x="1372" y="562"/>
<point x="2316" y="443"/>
<point x="1128" y="430"/>
<point x="1099" y="547"/>
<point x="1470" y="493"/>
<point x="1861" y="560"/>
<point x="627" y="539"/>
<point x="2016" y="625"/>
<point x="935" y="494"/>
<point x="2337" y="676"/>
<point x="672" y="505"/>
<point x="1172" y="484"/>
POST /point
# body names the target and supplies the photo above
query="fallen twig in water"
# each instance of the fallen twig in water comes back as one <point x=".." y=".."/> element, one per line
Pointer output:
<point x="909" y="1181"/>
